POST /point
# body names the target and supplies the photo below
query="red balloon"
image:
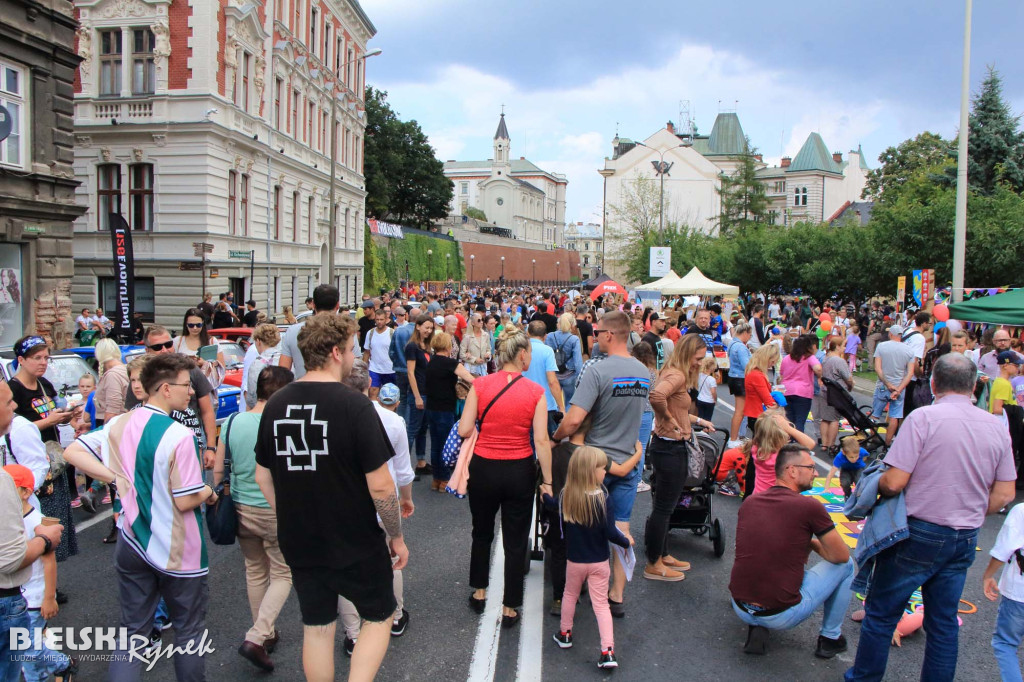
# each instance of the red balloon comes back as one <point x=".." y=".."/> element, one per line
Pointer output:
<point x="941" y="312"/>
<point x="823" y="318"/>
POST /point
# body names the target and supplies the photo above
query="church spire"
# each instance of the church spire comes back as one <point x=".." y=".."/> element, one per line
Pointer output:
<point x="502" y="142"/>
<point x="502" y="133"/>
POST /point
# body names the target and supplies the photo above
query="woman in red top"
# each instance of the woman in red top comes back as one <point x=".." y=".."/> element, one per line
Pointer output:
<point x="503" y="471"/>
<point x="758" y="387"/>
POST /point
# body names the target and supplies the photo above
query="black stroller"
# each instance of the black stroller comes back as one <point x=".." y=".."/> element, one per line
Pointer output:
<point x="695" y="510"/>
<point x="859" y="417"/>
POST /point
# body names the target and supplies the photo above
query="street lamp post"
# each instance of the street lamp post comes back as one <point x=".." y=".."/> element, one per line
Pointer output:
<point x="502" y="269"/>
<point x="960" y="223"/>
<point x="557" y="263"/>
<point x="661" y="202"/>
<point x="430" y="259"/>
<point x="472" y="266"/>
<point x="332" y="231"/>
<point x="535" y="270"/>
<point x="447" y="266"/>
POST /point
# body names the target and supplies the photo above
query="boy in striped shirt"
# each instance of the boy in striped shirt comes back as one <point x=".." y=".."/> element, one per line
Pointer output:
<point x="156" y="465"/>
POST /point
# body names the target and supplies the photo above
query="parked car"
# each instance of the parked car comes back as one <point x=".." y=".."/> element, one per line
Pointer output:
<point x="64" y="371"/>
<point x="240" y="335"/>
<point x="228" y="396"/>
<point x="88" y="353"/>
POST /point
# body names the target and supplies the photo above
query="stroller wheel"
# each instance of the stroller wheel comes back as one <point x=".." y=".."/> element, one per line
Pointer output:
<point x="717" y="538"/>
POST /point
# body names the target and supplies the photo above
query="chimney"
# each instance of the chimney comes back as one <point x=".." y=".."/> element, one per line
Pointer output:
<point x="580" y="223"/>
<point x="837" y="157"/>
<point x="785" y="162"/>
<point x="759" y="157"/>
<point x="670" y="127"/>
<point x="522" y="158"/>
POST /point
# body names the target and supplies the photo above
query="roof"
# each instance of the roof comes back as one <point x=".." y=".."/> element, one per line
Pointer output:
<point x="727" y="137"/>
<point x="528" y="186"/>
<point x="584" y="232"/>
<point x="814" y="156"/>
<point x="502" y="132"/>
<point x="770" y="172"/>
<point x="856" y="212"/>
<point x="863" y="161"/>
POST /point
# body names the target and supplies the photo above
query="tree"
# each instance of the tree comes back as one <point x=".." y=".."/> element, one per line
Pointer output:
<point x="995" y="147"/>
<point x="900" y="163"/>
<point x="743" y="198"/>
<point x="475" y="213"/>
<point x="405" y="182"/>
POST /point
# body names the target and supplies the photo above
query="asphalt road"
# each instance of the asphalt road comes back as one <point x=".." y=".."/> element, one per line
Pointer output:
<point x="681" y="630"/>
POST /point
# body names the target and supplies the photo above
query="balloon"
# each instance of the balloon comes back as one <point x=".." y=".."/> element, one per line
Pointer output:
<point x="910" y="623"/>
<point x="826" y="324"/>
<point x="941" y="312"/>
<point x="824" y="317"/>
<point x="954" y="326"/>
<point x="939" y="325"/>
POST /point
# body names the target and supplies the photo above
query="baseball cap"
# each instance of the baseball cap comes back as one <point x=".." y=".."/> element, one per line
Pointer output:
<point x="22" y="476"/>
<point x="1008" y="357"/>
<point x="654" y="316"/>
<point x="439" y="320"/>
<point x="366" y="304"/>
<point x="388" y="395"/>
<point x="896" y="329"/>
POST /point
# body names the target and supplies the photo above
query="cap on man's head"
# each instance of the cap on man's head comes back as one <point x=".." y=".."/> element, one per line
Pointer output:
<point x="654" y="316"/>
<point x="1008" y="357"/>
<point x="251" y="302"/>
<point x="896" y="330"/>
<point x="388" y="395"/>
<point x="22" y="476"/>
<point x="366" y="304"/>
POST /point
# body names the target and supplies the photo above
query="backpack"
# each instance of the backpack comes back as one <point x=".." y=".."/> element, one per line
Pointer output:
<point x="561" y="357"/>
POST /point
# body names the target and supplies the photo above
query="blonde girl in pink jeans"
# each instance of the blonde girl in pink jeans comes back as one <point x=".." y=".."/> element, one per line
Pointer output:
<point x="587" y="527"/>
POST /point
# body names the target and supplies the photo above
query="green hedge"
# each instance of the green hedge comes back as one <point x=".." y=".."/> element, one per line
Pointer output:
<point x="385" y="265"/>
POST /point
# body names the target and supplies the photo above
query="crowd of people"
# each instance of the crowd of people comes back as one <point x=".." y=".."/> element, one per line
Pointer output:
<point x="581" y="398"/>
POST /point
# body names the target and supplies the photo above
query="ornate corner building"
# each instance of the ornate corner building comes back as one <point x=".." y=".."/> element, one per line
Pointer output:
<point x="209" y="121"/>
<point x="37" y="185"/>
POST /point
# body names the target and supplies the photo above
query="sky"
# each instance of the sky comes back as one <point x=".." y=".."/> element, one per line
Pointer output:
<point x="572" y="73"/>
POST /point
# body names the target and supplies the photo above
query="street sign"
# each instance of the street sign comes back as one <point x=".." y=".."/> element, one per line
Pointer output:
<point x="6" y="123"/>
<point x="240" y="254"/>
<point x="189" y="265"/>
<point x="201" y="248"/>
<point x="661" y="260"/>
<point x="33" y="229"/>
<point x="901" y="291"/>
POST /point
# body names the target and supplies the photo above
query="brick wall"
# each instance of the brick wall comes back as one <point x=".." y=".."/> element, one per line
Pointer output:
<point x="178" y="71"/>
<point x="518" y="262"/>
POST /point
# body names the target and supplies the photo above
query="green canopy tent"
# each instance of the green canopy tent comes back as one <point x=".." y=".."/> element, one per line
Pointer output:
<point x="1006" y="308"/>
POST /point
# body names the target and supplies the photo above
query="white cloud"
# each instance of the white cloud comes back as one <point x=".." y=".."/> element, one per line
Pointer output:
<point x="569" y="130"/>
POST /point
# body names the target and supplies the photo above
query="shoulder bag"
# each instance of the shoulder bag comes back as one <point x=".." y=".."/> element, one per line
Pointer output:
<point x="453" y="443"/>
<point x="222" y="517"/>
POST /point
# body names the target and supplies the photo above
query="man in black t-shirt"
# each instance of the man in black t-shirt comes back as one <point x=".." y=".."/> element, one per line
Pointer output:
<point x="775" y="533"/>
<point x="653" y="338"/>
<point x="252" y="315"/>
<point x="327" y="482"/>
<point x="585" y="328"/>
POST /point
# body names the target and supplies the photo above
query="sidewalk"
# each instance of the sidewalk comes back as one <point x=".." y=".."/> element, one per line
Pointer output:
<point x="863" y="386"/>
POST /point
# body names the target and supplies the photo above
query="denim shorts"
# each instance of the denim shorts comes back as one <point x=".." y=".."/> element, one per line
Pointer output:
<point x="881" y="398"/>
<point x="377" y="380"/>
<point x="622" y="494"/>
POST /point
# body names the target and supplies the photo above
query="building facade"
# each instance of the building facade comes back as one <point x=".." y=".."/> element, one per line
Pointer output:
<point x="37" y="185"/>
<point x="207" y="122"/>
<point x="588" y="240"/>
<point x="514" y="194"/>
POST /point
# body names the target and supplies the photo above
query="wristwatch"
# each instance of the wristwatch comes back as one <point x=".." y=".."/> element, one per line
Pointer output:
<point x="47" y="542"/>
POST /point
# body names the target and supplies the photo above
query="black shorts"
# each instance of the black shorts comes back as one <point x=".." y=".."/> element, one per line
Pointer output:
<point x="367" y="584"/>
<point x="737" y="387"/>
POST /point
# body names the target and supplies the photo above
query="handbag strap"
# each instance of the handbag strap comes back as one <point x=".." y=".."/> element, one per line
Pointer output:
<point x="227" y="446"/>
<point x="487" y="409"/>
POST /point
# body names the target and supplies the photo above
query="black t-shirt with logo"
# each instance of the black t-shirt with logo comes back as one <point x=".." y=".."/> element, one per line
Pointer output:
<point x="36" y="405"/>
<point x="319" y="440"/>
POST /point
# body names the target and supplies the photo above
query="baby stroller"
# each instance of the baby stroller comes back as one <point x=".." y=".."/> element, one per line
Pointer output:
<point x="859" y="417"/>
<point x="695" y="510"/>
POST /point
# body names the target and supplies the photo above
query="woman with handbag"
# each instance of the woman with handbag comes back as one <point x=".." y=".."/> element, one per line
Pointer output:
<point x="442" y="375"/>
<point x="503" y="470"/>
<point x="37" y="401"/>
<point x="475" y="351"/>
<point x="674" y="418"/>
<point x="268" y="579"/>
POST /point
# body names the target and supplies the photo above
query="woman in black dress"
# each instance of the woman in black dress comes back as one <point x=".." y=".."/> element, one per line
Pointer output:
<point x="37" y="401"/>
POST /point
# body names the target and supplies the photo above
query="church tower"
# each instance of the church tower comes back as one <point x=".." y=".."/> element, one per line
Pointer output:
<point x="501" y="164"/>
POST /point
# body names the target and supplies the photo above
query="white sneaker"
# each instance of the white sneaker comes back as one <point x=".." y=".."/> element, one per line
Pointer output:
<point x="643" y="487"/>
<point x="734" y="444"/>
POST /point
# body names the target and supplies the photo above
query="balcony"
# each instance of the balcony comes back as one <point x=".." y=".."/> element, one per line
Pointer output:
<point x="135" y="110"/>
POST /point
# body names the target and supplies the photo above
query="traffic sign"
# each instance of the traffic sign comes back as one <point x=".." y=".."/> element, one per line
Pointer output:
<point x="201" y="248"/>
<point x="240" y="254"/>
<point x="6" y="123"/>
<point x="661" y="260"/>
<point x="189" y="265"/>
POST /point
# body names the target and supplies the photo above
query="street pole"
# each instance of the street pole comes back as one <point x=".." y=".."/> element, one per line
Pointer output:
<point x="332" y="230"/>
<point x="502" y="269"/>
<point x="447" y="266"/>
<point x="661" y="201"/>
<point x="534" y="269"/>
<point x="960" y="226"/>
<point x="252" y="272"/>
<point x="472" y="267"/>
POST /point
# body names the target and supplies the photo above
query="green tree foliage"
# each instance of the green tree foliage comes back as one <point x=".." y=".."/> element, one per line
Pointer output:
<point x="743" y="197"/>
<point x="475" y="213"/>
<point x="405" y="182"/>
<point x="996" y="144"/>
<point x="901" y="162"/>
<point x="389" y="256"/>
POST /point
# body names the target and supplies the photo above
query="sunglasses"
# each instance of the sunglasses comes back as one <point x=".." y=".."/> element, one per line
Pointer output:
<point x="195" y="325"/>
<point x="161" y="346"/>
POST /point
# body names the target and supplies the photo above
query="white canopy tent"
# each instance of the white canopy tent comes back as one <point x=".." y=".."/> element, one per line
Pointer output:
<point x="659" y="284"/>
<point x="694" y="283"/>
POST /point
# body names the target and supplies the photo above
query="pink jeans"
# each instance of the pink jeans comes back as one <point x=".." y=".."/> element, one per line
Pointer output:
<point x="597" y="576"/>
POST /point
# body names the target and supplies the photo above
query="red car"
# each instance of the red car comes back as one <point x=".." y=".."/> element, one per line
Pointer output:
<point x="240" y="335"/>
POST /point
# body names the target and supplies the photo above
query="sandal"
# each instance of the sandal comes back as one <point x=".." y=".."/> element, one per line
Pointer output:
<point x="664" y="575"/>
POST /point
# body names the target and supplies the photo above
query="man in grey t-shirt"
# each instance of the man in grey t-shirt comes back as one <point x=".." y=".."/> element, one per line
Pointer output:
<point x="326" y="299"/>
<point x="894" y="366"/>
<point x="612" y="390"/>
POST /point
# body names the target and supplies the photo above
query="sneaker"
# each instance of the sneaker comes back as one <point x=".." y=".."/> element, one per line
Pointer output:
<point x="69" y="673"/>
<point x="733" y="444"/>
<point x="563" y="639"/>
<point x="757" y="640"/>
<point x="350" y="646"/>
<point x="76" y="503"/>
<point x="106" y="499"/>
<point x="556" y="607"/>
<point x="827" y="648"/>
<point x="607" y="659"/>
<point x="643" y="487"/>
<point x="398" y="626"/>
<point x="155" y="641"/>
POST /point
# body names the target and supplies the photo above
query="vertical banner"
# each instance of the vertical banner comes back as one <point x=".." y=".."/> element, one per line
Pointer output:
<point x="901" y="292"/>
<point x="917" y="287"/>
<point x="124" y="275"/>
<point x="11" y="313"/>
<point x="927" y="287"/>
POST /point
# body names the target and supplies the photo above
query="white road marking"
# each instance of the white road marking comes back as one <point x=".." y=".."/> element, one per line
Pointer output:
<point x="102" y="516"/>
<point x="485" y="651"/>
<point x="531" y="627"/>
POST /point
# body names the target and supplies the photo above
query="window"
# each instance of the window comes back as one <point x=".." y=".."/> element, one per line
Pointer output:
<point x="140" y="196"/>
<point x="279" y="11"/>
<point x="327" y="41"/>
<point x="277" y="212"/>
<point x="298" y="17"/>
<point x="242" y="100"/>
<point x="295" y="216"/>
<point x="108" y="193"/>
<point x="337" y="56"/>
<point x="465" y="188"/>
<point x="312" y="30"/>
<point x="323" y="131"/>
<point x="244" y="205"/>
<point x="143" y="63"/>
<point x="309" y="124"/>
<point x="295" y="115"/>
<point x="232" y="200"/>
<point x="12" y="97"/>
<point x="348" y="70"/>
<point x="310" y="219"/>
<point x="586" y="246"/>
<point x="110" y="62"/>
<point x="143" y="295"/>
<point x="278" y="87"/>
<point x="800" y="196"/>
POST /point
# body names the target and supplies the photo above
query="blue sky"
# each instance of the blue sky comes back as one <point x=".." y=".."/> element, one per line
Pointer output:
<point x="569" y="72"/>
